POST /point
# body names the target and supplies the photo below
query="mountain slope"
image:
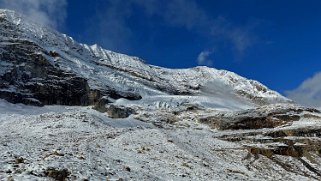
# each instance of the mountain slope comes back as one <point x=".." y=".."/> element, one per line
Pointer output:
<point x="37" y="56"/>
<point x="80" y="143"/>
<point x="93" y="114"/>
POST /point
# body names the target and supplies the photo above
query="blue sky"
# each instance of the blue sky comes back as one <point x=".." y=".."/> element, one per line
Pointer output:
<point x="277" y="42"/>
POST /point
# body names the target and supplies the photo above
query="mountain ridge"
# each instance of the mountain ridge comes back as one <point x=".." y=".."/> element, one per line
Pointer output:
<point x="92" y="62"/>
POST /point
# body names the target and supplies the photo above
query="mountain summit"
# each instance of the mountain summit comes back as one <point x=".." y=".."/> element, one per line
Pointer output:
<point x="70" y="111"/>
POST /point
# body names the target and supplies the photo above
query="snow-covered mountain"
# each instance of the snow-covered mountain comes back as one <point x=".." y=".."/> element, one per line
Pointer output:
<point x="93" y="114"/>
<point x="27" y="49"/>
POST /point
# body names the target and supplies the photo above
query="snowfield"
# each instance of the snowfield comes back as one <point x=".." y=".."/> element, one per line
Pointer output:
<point x="92" y="146"/>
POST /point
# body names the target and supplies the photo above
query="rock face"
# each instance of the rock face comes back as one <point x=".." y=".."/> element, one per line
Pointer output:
<point x="118" y="111"/>
<point x="262" y="117"/>
<point x="31" y="79"/>
<point x="296" y="150"/>
<point x="31" y="73"/>
<point x="287" y="135"/>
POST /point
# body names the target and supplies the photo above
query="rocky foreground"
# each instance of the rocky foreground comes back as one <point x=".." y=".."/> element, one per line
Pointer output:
<point x="74" y="143"/>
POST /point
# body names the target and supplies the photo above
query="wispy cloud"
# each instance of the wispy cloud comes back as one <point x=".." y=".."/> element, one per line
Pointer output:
<point x="203" y="58"/>
<point x="114" y="22"/>
<point x="241" y="39"/>
<point x="240" y="36"/>
<point x="47" y="12"/>
<point x="114" y="25"/>
<point x="309" y="92"/>
<point x="184" y="13"/>
<point x="109" y="26"/>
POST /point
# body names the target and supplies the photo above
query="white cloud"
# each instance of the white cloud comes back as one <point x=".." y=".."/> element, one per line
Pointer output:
<point x="114" y="22"/>
<point x="241" y="37"/>
<point x="47" y="12"/>
<point x="308" y="93"/>
<point x="184" y="13"/>
<point x="203" y="58"/>
<point x="110" y="27"/>
<point x="241" y="40"/>
<point x="114" y="26"/>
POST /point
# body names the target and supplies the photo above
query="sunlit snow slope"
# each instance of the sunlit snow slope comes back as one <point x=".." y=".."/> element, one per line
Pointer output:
<point x="107" y="71"/>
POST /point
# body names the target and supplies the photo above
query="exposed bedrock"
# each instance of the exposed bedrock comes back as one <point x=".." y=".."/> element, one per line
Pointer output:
<point x="257" y="118"/>
<point x="32" y="77"/>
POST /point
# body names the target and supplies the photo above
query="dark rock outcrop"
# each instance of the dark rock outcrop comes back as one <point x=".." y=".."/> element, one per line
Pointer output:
<point x="32" y="77"/>
<point x="256" y="118"/>
<point x="116" y="112"/>
<point x="57" y="174"/>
